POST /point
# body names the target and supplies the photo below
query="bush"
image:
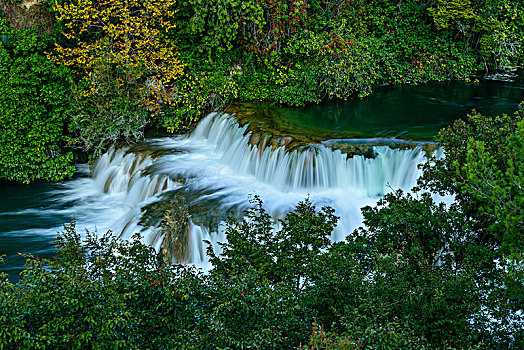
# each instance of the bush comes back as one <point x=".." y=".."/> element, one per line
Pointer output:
<point x="414" y="277"/>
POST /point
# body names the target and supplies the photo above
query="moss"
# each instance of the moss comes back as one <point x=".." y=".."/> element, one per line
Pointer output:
<point x="172" y="217"/>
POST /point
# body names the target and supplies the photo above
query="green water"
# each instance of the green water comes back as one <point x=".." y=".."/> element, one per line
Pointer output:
<point x="28" y="213"/>
<point x="409" y="112"/>
<point x="31" y="215"/>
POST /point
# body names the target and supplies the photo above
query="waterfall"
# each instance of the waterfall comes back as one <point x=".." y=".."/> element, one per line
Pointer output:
<point x="122" y="171"/>
<point x="311" y="168"/>
<point x="217" y="166"/>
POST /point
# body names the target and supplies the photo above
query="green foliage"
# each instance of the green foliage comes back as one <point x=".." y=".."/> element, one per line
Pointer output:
<point x="202" y="54"/>
<point x="459" y="13"/>
<point x="260" y="27"/>
<point x="250" y="311"/>
<point x="426" y="255"/>
<point x="33" y="102"/>
<point x="127" y="66"/>
<point x="105" y="292"/>
<point x="287" y="255"/>
<point x="100" y="293"/>
<point x="482" y="168"/>
<point x="415" y="276"/>
<point x="392" y="336"/>
<point x="197" y="93"/>
<point x="398" y="283"/>
<point x="498" y="185"/>
<point x="495" y="27"/>
<point x="295" y="52"/>
<point x="112" y="114"/>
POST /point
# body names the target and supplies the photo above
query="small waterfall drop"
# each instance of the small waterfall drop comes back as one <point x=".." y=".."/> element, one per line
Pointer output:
<point x="122" y="171"/>
<point x="312" y="168"/>
<point x="218" y="167"/>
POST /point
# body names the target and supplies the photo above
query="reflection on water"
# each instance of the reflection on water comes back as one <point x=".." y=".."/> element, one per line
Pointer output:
<point x="412" y="112"/>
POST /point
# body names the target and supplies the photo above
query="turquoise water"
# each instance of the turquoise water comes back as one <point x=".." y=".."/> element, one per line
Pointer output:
<point x="410" y="112"/>
<point x="31" y="215"/>
<point x="20" y="229"/>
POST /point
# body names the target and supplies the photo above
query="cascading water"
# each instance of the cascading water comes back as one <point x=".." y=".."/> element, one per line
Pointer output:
<point x="311" y="169"/>
<point x="218" y="167"/>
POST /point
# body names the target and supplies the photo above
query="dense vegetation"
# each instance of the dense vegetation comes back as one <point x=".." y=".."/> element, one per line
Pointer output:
<point x="417" y="275"/>
<point x="33" y="100"/>
<point x="140" y="64"/>
<point x="83" y="74"/>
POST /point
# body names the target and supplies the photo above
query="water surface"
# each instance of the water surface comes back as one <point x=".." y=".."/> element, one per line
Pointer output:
<point x="407" y="111"/>
<point x="31" y="215"/>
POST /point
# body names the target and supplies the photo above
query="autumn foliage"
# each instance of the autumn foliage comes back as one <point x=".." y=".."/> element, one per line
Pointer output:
<point x="127" y="38"/>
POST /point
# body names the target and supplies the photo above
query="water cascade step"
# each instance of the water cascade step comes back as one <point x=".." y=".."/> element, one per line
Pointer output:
<point x="218" y="163"/>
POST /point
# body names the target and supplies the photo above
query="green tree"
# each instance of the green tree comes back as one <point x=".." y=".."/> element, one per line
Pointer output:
<point x="287" y="255"/>
<point x="33" y="102"/>
<point x="482" y="169"/>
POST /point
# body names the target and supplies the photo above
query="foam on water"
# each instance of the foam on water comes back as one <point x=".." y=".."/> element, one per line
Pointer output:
<point x="217" y="167"/>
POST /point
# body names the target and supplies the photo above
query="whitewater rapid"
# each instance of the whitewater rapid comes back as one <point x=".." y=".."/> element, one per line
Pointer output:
<point x="218" y="167"/>
<point x="215" y="170"/>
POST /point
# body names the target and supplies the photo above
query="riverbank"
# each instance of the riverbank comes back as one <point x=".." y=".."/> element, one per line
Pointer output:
<point x="94" y="202"/>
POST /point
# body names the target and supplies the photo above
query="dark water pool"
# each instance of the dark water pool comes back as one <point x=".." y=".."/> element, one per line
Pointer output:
<point x="410" y="112"/>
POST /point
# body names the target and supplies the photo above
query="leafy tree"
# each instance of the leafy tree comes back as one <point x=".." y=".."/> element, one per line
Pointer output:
<point x="494" y="26"/>
<point x="459" y="13"/>
<point x="105" y="292"/>
<point x="260" y="27"/>
<point x="483" y="170"/>
<point x="498" y="184"/>
<point x="101" y="293"/>
<point x="480" y="154"/>
<point x="395" y="284"/>
<point x="288" y="254"/>
<point x="33" y="102"/>
<point x="129" y="68"/>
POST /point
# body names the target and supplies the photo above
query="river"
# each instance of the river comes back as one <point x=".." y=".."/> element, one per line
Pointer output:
<point x="218" y="167"/>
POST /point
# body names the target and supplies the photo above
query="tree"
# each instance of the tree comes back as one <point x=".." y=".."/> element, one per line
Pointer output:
<point x="287" y="255"/>
<point x="130" y="68"/>
<point x="483" y="170"/>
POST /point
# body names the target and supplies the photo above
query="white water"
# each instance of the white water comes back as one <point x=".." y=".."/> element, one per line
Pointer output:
<point x="217" y="169"/>
<point x="217" y="162"/>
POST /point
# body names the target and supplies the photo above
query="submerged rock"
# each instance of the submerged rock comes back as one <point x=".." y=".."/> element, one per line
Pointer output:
<point x="365" y="147"/>
<point x="264" y="132"/>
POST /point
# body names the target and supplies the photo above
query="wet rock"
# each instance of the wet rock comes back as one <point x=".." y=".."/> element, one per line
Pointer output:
<point x="365" y="147"/>
<point x="265" y="133"/>
<point x="171" y="216"/>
